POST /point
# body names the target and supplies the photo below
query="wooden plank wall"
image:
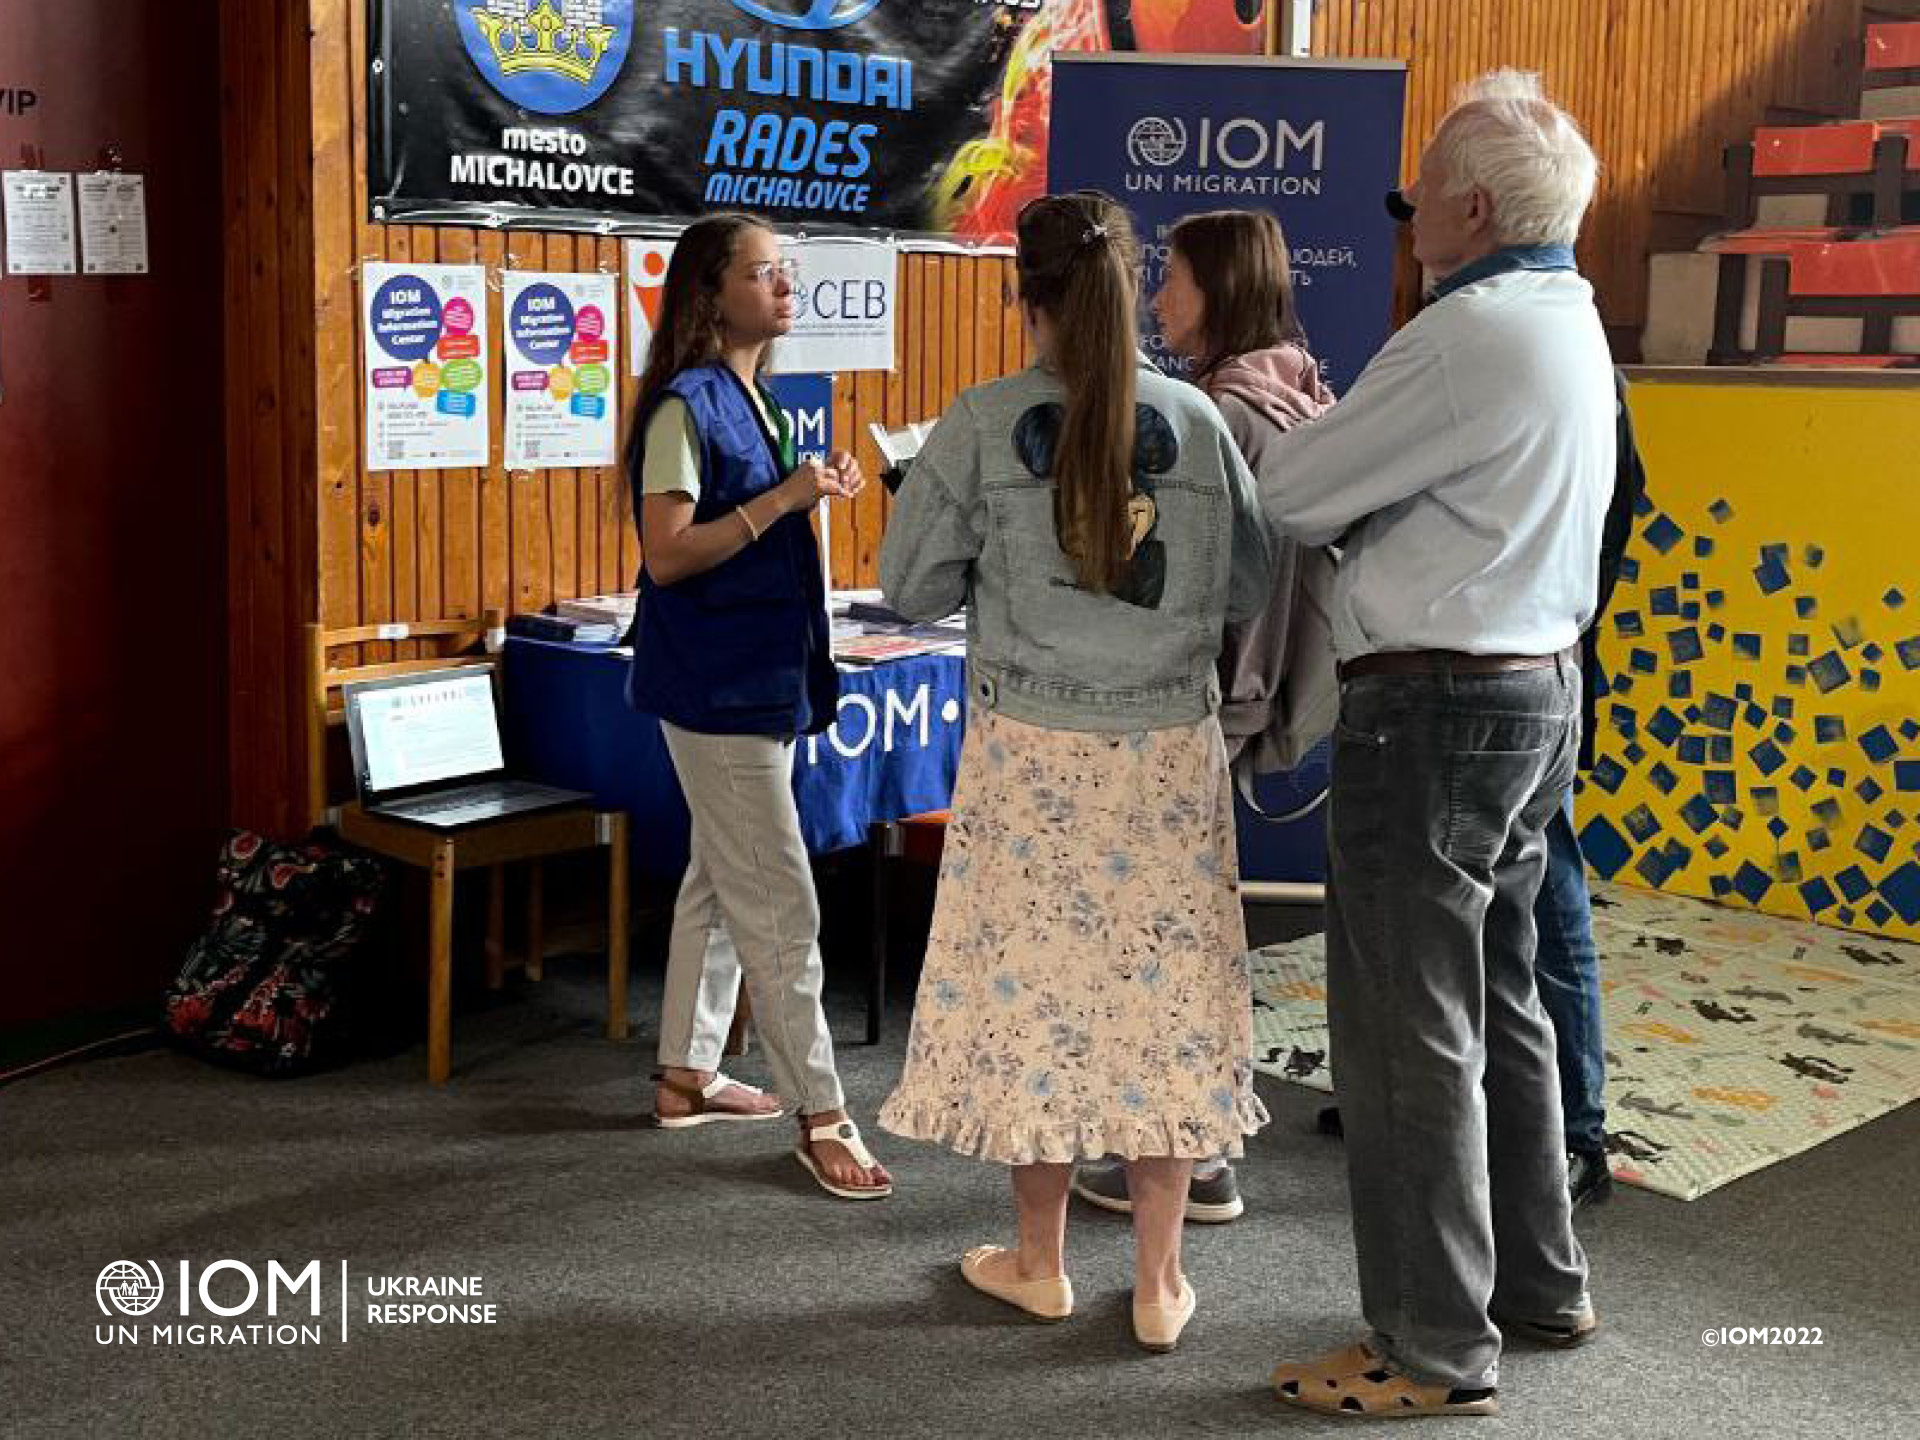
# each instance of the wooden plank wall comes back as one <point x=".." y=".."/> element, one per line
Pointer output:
<point x="1660" y="86"/>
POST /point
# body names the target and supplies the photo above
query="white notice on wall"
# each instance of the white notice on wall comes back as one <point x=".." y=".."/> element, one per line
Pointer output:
<point x="561" y="409"/>
<point x="425" y="348"/>
<point x="39" y="217"/>
<point x="844" y="305"/>
<point x="113" y="223"/>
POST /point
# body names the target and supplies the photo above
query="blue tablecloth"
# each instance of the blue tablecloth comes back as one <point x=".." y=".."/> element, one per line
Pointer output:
<point x="894" y="751"/>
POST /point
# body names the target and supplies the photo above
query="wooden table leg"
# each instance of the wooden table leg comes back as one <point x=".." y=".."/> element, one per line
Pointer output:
<point x="496" y="927"/>
<point x="536" y="921"/>
<point x="617" y="928"/>
<point x="440" y="965"/>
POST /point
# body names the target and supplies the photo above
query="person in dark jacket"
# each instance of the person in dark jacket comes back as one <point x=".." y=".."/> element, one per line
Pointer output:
<point x="1566" y="965"/>
<point x="731" y="653"/>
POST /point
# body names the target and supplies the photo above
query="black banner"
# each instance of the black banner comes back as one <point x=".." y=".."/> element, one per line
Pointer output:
<point x="913" y="116"/>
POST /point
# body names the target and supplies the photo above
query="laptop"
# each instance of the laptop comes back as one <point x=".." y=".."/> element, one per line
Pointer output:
<point x="426" y="750"/>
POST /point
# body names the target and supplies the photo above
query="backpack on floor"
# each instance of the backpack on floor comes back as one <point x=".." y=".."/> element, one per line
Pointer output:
<point x="265" y="989"/>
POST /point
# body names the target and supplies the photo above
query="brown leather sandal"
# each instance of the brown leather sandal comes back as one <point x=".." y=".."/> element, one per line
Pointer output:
<point x="704" y="1112"/>
<point x="1354" y="1383"/>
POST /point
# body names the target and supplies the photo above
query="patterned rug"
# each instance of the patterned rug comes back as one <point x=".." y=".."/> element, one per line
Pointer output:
<point x="1734" y="1040"/>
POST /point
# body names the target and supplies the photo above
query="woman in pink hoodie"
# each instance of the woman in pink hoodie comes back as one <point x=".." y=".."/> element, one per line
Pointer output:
<point x="1227" y="309"/>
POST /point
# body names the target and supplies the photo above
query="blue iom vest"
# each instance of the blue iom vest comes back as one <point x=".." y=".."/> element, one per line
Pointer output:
<point x="742" y="649"/>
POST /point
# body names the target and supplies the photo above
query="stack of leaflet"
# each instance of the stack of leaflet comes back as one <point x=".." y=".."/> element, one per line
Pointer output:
<point x="565" y="629"/>
<point x="615" y="610"/>
<point x="867" y="632"/>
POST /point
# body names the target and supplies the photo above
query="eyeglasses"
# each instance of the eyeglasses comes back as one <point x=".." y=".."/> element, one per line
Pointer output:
<point x="763" y="273"/>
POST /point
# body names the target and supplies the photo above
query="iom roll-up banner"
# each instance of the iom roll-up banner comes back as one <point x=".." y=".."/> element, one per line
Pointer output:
<point x="1317" y="143"/>
<point x="916" y="116"/>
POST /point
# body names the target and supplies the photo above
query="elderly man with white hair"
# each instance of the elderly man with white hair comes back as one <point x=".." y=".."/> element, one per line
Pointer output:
<point x="1466" y="476"/>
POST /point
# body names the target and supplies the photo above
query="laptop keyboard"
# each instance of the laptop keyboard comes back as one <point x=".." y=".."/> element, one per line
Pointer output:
<point x="484" y="798"/>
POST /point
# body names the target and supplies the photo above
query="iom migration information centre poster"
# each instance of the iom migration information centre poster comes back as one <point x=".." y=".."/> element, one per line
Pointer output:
<point x="561" y="369"/>
<point x="914" y="116"/>
<point x="425" y="343"/>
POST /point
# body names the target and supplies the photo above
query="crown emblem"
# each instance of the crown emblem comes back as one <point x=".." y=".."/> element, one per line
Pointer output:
<point x="544" y="39"/>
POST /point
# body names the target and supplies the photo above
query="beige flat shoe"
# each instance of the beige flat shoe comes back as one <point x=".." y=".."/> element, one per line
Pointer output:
<point x="1042" y="1299"/>
<point x="1158" y="1327"/>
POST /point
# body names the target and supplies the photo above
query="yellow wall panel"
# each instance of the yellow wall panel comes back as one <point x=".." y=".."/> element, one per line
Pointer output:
<point x="1762" y="743"/>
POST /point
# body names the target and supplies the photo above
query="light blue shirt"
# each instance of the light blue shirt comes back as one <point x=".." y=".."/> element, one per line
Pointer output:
<point x="1466" y="473"/>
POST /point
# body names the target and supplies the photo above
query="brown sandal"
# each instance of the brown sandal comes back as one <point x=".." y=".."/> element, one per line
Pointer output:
<point x="1354" y="1383"/>
<point x="704" y="1112"/>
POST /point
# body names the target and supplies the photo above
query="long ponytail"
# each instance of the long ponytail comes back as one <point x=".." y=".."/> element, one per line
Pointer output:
<point x="1079" y="264"/>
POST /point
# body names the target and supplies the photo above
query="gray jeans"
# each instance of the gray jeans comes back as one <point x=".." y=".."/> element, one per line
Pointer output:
<point x="1444" y="1059"/>
<point x="746" y="908"/>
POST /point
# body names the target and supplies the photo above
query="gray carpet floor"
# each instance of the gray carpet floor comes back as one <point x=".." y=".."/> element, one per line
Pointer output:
<point x="695" y="1285"/>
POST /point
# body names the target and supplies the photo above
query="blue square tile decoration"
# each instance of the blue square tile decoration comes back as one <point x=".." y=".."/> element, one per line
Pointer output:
<point x="1663" y="779"/>
<point x="1629" y="568"/>
<point x="1766" y="799"/>
<point x="1634" y="751"/>
<point x="1796" y="674"/>
<point x="1721" y="511"/>
<point x="1746" y="644"/>
<point x="1715" y="846"/>
<point x="1829" y="729"/>
<point x="1627" y="625"/>
<point x="1721" y="886"/>
<point x="1644" y="661"/>
<point x="1803" y="778"/>
<point x="1608" y="773"/>
<point x="1844" y="915"/>
<point x="1690" y="610"/>
<point x="1720" y="749"/>
<point x="1623" y="718"/>
<point x="1869" y="790"/>
<point x="1689" y="579"/>
<point x="1715" y="599"/>
<point x="1654" y="868"/>
<point x="1716" y="632"/>
<point x="1870" y="681"/>
<point x="1606" y="848"/>
<point x="1662" y="534"/>
<point x="1783" y="733"/>
<point x="1777" y="828"/>
<point x="1702" y="547"/>
<point x="1680" y="685"/>
<point x="1622" y="685"/>
<point x="1641" y="823"/>
<point x="1910" y="729"/>
<point x="1775" y="551"/>
<point x="1879" y="913"/>
<point x="1684" y="646"/>
<point x="1871" y="652"/>
<point x="1692" y="749"/>
<point x="1837" y="778"/>
<point x="1786" y="867"/>
<point x="1783" y="707"/>
<point x="1818" y="839"/>
<point x="1874" y="843"/>
<point x="1771" y="576"/>
<point x="1814" y="556"/>
<point x="1879" y="744"/>
<point x="1665" y="726"/>
<point x="1895" y="819"/>
<point x="1698" y="814"/>
<point x="1901" y="890"/>
<point x="1731" y="817"/>
<point x="1816" y="894"/>
<point x="1663" y="600"/>
<point x="1751" y="882"/>
<point x="1717" y="712"/>
<point x="1806" y="607"/>
<point x="1827" y="811"/>
<point x="1849" y="632"/>
<point x="1722" y="787"/>
<point x="1906" y="775"/>
<point x="1743" y="692"/>
<point x="1853" y="883"/>
<point x="1830" y="672"/>
<point x="1799" y="646"/>
<point x="1909" y="651"/>
<point x="1894" y="598"/>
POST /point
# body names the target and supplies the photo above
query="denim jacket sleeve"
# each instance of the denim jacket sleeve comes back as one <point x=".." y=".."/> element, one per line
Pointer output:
<point x="938" y="524"/>
<point x="1250" y="583"/>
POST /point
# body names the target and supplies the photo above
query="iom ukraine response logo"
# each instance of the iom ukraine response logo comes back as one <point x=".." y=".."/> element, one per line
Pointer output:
<point x="553" y="56"/>
<point x="809" y="14"/>
<point x="1154" y="141"/>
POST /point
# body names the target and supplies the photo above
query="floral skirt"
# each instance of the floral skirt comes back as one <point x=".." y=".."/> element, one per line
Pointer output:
<point x="1085" y="989"/>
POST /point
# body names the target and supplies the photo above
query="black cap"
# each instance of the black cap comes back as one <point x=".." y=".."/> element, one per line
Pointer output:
<point x="1398" y="207"/>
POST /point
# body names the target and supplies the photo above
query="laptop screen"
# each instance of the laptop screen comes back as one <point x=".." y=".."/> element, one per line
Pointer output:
<point x="436" y="729"/>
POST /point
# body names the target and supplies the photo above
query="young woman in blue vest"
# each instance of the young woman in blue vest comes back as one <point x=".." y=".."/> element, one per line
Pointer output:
<point x="1085" y="989"/>
<point x="731" y="653"/>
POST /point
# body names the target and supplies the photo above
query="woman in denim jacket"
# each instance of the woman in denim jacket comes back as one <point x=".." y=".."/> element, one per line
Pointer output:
<point x="1085" y="989"/>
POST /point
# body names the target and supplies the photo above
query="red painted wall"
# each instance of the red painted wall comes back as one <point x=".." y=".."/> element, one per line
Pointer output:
<point x="112" y="541"/>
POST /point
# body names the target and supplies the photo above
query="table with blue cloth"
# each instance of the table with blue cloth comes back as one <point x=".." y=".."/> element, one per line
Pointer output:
<point x="893" y="752"/>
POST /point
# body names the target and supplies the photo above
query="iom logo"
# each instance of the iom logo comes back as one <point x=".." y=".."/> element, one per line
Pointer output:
<point x="810" y="14"/>
<point x="551" y="56"/>
<point x="1154" y="141"/>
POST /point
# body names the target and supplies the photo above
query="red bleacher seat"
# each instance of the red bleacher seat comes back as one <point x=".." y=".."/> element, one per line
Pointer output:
<point x="1894" y="46"/>
<point x="1889" y="265"/>
<point x="1844" y="149"/>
